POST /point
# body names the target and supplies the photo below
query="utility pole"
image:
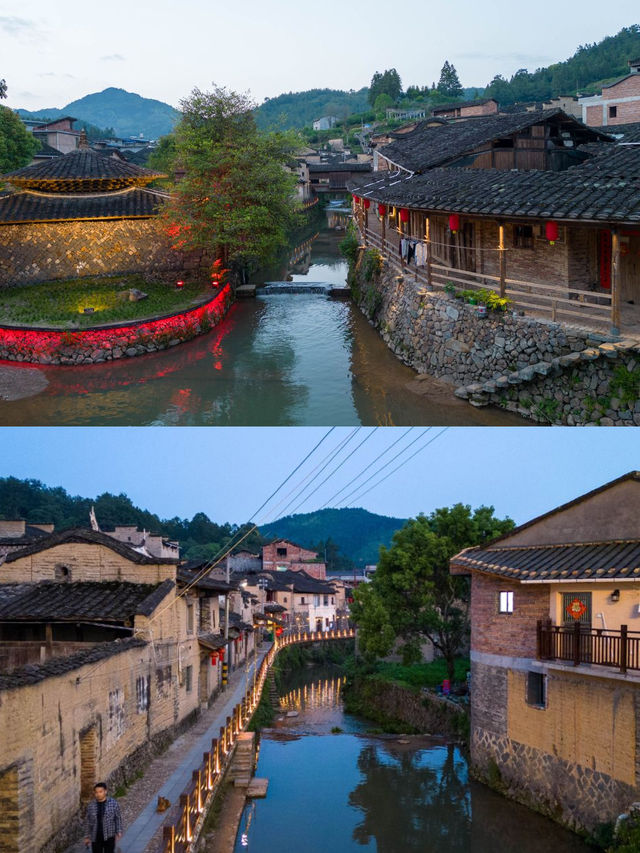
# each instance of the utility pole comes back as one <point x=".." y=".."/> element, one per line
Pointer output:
<point x="225" y="662"/>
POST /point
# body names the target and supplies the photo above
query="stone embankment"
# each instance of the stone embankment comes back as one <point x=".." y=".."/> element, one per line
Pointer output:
<point x="113" y="342"/>
<point x="548" y="372"/>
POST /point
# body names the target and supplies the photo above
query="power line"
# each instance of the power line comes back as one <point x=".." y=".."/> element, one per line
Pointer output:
<point x="364" y="470"/>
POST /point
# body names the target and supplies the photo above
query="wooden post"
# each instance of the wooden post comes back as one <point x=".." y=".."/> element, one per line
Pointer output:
<point x="615" y="281"/>
<point x="624" y="646"/>
<point x="577" y="628"/>
<point x="539" y="639"/>
<point x="169" y="836"/>
<point x="427" y="237"/>
<point x="503" y="261"/>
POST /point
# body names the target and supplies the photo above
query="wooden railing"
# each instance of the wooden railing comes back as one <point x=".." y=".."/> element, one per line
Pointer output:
<point x="195" y="799"/>
<point x="552" y="301"/>
<point x="580" y="645"/>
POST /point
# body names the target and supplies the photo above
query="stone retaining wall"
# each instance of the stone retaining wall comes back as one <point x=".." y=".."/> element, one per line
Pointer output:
<point x="545" y="371"/>
<point x="107" y="343"/>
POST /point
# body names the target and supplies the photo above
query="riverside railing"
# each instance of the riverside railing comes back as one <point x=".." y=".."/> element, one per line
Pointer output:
<point x="579" y="645"/>
<point x="552" y="301"/>
<point x="179" y="837"/>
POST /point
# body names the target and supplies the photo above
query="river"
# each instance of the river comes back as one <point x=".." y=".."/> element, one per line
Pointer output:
<point x="351" y="790"/>
<point x="277" y="360"/>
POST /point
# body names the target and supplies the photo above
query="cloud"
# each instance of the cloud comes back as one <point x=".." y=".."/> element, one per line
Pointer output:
<point x="53" y="74"/>
<point x="16" y="26"/>
<point x="113" y="57"/>
<point x="522" y="58"/>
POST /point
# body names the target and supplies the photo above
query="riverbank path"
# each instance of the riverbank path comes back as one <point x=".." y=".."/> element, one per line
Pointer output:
<point x="169" y="774"/>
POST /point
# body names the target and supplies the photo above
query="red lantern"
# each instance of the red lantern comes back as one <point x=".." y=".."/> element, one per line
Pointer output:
<point x="551" y="231"/>
<point x="278" y="632"/>
<point x="221" y="654"/>
<point x="179" y="284"/>
<point x="382" y="209"/>
<point x="404" y="214"/>
<point x="454" y="223"/>
<point x="214" y="658"/>
<point x="356" y="199"/>
<point x="366" y="203"/>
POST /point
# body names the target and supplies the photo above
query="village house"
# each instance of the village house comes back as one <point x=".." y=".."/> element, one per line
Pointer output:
<point x="15" y="534"/>
<point x="555" y="657"/>
<point x="106" y="653"/>
<point x="562" y="245"/>
<point x="281" y="554"/>
<point x="82" y="214"/>
<point x="57" y="134"/>
<point x="302" y="602"/>
<point x="618" y="103"/>
<point x="325" y="123"/>
<point x="466" y="109"/>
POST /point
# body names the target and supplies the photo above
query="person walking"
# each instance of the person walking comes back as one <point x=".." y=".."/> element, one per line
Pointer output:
<point x="102" y="822"/>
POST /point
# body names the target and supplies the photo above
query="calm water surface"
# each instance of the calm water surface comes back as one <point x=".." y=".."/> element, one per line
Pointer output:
<point x="285" y="359"/>
<point x="352" y="791"/>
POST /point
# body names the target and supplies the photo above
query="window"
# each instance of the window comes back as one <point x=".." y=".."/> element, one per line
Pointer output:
<point x="613" y="112"/>
<point x="326" y="601"/>
<point x="523" y="236"/>
<point x="536" y="690"/>
<point x="316" y="601"/>
<point x="302" y="601"/>
<point x="142" y="694"/>
<point x="505" y="602"/>
<point x="189" y="618"/>
<point x="188" y="678"/>
<point x="62" y="573"/>
<point x="163" y="680"/>
<point x="281" y="552"/>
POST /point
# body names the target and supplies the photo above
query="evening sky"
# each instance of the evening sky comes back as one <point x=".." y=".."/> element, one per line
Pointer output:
<point x="54" y="53"/>
<point x="229" y="472"/>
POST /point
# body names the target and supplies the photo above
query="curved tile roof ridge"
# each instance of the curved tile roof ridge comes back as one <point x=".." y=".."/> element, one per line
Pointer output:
<point x="83" y="163"/>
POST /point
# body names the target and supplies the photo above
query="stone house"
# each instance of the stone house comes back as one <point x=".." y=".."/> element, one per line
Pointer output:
<point x="283" y="554"/>
<point x="555" y="657"/>
<point x="618" y="103"/>
<point x="15" y="534"/>
<point x="466" y="109"/>
<point x="106" y="655"/>
<point x="301" y="601"/>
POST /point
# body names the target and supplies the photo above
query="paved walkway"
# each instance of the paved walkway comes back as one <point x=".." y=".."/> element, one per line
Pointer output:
<point x="168" y="775"/>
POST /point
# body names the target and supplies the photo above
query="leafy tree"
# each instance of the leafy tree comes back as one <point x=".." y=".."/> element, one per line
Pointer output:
<point x="413" y="597"/>
<point x="383" y="103"/>
<point x="17" y="145"/>
<point x="235" y="198"/>
<point x="3" y="88"/>
<point x="449" y="83"/>
<point x="385" y="83"/>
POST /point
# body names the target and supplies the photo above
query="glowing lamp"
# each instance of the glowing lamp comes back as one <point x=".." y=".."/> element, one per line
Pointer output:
<point x="179" y="284"/>
<point x="404" y="214"/>
<point x="551" y="230"/>
<point x="454" y="223"/>
<point x="88" y="310"/>
<point x="382" y="209"/>
<point x="366" y="203"/>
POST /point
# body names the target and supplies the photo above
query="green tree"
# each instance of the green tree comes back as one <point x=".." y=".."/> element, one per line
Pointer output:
<point x="386" y="83"/>
<point x="383" y="103"/>
<point x="17" y="145"/>
<point x="236" y="197"/>
<point x="413" y="597"/>
<point x="449" y="84"/>
<point x="3" y="88"/>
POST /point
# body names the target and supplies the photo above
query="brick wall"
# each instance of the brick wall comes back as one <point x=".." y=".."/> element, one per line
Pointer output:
<point x="295" y="554"/>
<point x="512" y="634"/>
<point x="60" y="250"/>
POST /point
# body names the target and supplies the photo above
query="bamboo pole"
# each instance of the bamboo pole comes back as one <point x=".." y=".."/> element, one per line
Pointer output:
<point x="615" y="281"/>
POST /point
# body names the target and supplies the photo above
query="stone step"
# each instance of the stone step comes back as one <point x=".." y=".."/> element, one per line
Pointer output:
<point x="241" y="782"/>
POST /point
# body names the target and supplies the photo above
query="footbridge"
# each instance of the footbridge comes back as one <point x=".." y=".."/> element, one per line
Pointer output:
<point x="181" y="835"/>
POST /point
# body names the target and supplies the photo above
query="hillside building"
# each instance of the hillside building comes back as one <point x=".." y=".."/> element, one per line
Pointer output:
<point x="618" y="103"/>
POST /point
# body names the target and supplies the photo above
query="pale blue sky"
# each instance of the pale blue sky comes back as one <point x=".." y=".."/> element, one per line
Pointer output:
<point x="53" y="53"/>
<point x="229" y="472"/>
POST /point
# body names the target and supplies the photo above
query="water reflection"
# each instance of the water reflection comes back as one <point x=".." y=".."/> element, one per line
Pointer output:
<point x="325" y="693"/>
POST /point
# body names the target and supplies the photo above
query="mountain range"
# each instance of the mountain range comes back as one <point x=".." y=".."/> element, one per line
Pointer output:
<point x="127" y="113"/>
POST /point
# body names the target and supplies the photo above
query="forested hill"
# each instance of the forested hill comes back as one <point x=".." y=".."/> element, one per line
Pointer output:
<point x="589" y="67"/>
<point x="357" y="532"/>
<point x="300" y="109"/>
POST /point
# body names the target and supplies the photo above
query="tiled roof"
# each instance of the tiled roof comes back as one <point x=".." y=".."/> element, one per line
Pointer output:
<point x="82" y="170"/>
<point x="34" y="673"/>
<point x="189" y="576"/>
<point x="339" y="167"/>
<point x="38" y="207"/>
<point x="605" y="189"/>
<point x="456" y="105"/>
<point x="624" y="132"/>
<point x="47" y="150"/>
<point x="95" y="537"/>
<point x="611" y="560"/>
<point x="60" y="602"/>
<point x="302" y="582"/>
<point x="30" y="534"/>
<point x="427" y="147"/>
<point x="213" y="642"/>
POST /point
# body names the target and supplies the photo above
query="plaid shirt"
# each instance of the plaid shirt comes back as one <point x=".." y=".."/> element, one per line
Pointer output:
<point x="111" y="822"/>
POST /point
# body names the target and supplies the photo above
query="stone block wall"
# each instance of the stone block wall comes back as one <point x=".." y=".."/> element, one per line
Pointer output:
<point x="575" y="760"/>
<point x="51" y="251"/>
<point x="548" y="372"/>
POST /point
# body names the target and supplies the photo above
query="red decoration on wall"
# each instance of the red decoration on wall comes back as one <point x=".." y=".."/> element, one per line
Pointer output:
<point x="576" y="608"/>
<point x="221" y="654"/>
<point x="454" y="223"/>
<point x="382" y="209"/>
<point x="356" y="199"/>
<point x="404" y="214"/>
<point x="278" y="632"/>
<point x="366" y="203"/>
<point x="552" y="231"/>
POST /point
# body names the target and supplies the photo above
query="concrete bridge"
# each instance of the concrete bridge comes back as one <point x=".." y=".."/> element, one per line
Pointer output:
<point x="181" y="836"/>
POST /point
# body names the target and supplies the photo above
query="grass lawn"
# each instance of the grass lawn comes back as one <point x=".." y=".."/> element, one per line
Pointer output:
<point x="61" y="303"/>
<point x="422" y="674"/>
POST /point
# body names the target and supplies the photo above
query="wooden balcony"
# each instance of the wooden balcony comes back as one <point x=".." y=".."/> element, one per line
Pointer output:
<point x="580" y="645"/>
